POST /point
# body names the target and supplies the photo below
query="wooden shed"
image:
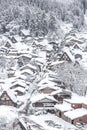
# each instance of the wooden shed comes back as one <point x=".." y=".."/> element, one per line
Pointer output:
<point x="8" y="98"/>
<point x="76" y="116"/>
<point x="62" y="108"/>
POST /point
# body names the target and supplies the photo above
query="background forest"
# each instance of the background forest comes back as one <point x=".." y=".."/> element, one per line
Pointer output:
<point x="42" y="17"/>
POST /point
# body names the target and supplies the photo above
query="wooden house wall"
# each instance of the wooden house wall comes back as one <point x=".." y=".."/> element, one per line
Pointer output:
<point x="82" y="119"/>
<point x="6" y="100"/>
<point x="44" y="104"/>
<point x="84" y="105"/>
<point x="46" y="91"/>
<point x="76" y="105"/>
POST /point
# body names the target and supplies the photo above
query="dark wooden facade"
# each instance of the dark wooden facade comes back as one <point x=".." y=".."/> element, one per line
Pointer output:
<point x="82" y="119"/>
<point x="44" y="103"/>
<point x="62" y="95"/>
<point x="65" y="57"/>
<point x="84" y="105"/>
<point x="76" y="105"/>
<point x="5" y="99"/>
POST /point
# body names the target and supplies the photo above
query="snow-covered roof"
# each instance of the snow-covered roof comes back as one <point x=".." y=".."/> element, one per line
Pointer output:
<point x="25" y="32"/>
<point x="28" y="71"/>
<point x="42" y="54"/>
<point x="40" y="97"/>
<point x="19" y="89"/>
<point x="17" y="38"/>
<point x="19" y="46"/>
<point x="43" y="42"/>
<point x="67" y="51"/>
<point x="5" y="39"/>
<point x="23" y="123"/>
<point x="29" y="66"/>
<point x="49" y="87"/>
<point x="42" y="118"/>
<point x="75" y="99"/>
<point x="49" y="47"/>
<point x="83" y="62"/>
<point x="40" y="60"/>
<point x="12" y="95"/>
<point x="82" y="35"/>
<point x="22" y="77"/>
<point x="76" y="113"/>
<point x="47" y="81"/>
<point x="77" y="46"/>
<point x="19" y="83"/>
<point x="63" y="107"/>
<point x="56" y="63"/>
<point x="56" y="92"/>
<point x="25" y="55"/>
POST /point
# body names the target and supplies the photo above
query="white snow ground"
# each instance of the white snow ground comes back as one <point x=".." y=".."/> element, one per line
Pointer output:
<point x="41" y="120"/>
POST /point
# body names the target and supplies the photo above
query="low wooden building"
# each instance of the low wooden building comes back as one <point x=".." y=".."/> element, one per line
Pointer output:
<point x="8" y="98"/>
<point x="62" y="108"/>
<point x="61" y="94"/>
<point x="75" y="102"/>
<point x="76" y="116"/>
<point x="44" y="102"/>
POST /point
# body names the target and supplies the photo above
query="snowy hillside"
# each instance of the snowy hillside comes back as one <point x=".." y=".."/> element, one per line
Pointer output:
<point x="43" y="65"/>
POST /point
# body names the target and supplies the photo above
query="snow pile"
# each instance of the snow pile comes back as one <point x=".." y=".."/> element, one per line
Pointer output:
<point x="41" y="120"/>
<point x="8" y="113"/>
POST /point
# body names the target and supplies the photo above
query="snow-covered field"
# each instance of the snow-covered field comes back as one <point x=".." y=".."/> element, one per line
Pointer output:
<point x="53" y="122"/>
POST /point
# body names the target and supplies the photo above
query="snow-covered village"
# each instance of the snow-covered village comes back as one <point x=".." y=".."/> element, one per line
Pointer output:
<point x="43" y="65"/>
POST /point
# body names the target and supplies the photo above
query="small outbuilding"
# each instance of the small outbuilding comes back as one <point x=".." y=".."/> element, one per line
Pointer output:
<point x="8" y="98"/>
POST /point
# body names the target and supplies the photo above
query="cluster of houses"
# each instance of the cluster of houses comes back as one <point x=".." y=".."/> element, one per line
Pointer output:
<point x="28" y="59"/>
<point x="73" y="110"/>
<point x="49" y="94"/>
<point x="73" y="50"/>
<point x="61" y="102"/>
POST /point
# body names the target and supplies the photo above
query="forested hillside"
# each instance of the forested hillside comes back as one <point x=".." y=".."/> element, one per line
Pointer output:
<point x="42" y="17"/>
